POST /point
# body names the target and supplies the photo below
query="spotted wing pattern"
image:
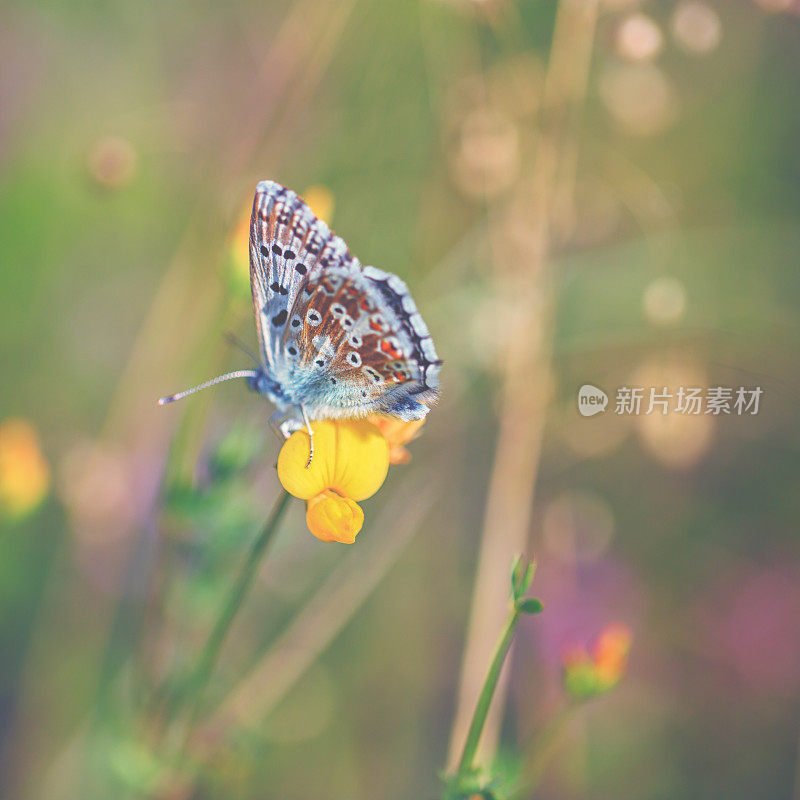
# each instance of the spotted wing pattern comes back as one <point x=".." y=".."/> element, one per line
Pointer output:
<point x="339" y="339"/>
<point x="287" y="243"/>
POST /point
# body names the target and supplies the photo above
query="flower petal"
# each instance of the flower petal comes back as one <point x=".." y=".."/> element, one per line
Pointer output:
<point x="332" y="518"/>
<point x="298" y="480"/>
<point x="362" y="459"/>
<point x="351" y="457"/>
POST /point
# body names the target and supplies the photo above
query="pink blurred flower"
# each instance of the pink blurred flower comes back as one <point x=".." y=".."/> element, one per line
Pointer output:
<point x="750" y="621"/>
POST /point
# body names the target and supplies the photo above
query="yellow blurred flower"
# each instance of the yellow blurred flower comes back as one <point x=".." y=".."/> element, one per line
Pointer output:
<point x="398" y="434"/>
<point x="320" y="201"/>
<point x="351" y="459"/>
<point x="239" y="253"/>
<point x="588" y="674"/>
<point x="24" y="472"/>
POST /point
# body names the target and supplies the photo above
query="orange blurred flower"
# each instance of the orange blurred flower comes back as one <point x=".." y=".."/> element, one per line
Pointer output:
<point x="588" y="673"/>
<point x="24" y="472"/>
<point x="398" y="434"/>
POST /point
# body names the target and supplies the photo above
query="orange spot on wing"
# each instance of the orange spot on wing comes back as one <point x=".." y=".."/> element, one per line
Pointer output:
<point x="386" y="347"/>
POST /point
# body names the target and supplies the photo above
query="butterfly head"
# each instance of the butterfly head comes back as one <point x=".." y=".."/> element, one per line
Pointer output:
<point x="262" y="383"/>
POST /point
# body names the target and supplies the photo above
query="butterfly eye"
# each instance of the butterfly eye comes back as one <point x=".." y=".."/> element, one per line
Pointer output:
<point x="296" y="321"/>
<point x="353" y="358"/>
<point x="338" y="310"/>
<point x="354" y="340"/>
<point x="291" y="350"/>
<point x="347" y="322"/>
<point x="313" y="317"/>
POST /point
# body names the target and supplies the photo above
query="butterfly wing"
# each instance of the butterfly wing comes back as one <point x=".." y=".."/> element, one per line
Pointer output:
<point x="338" y="339"/>
<point x="287" y="242"/>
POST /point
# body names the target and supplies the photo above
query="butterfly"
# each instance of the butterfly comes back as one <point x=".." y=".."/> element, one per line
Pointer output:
<point x="336" y="339"/>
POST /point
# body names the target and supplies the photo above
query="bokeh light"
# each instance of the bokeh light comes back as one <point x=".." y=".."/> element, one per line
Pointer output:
<point x="641" y="99"/>
<point x="674" y="439"/>
<point x="696" y="27"/>
<point x="639" y="38"/>
<point x="664" y="301"/>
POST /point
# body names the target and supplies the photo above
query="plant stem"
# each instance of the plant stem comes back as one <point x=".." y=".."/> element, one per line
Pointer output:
<point x="487" y="692"/>
<point x="208" y="657"/>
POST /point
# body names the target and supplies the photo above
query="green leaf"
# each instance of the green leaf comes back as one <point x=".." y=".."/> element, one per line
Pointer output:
<point x="527" y="580"/>
<point x="530" y="605"/>
<point x="517" y="574"/>
<point x="522" y="573"/>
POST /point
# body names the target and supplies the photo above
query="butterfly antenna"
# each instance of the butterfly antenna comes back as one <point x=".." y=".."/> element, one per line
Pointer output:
<point x="239" y="373"/>
<point x="232" y="338"/>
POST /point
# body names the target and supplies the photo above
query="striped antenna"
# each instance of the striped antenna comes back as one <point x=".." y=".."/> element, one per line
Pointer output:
<point x="239" y="373"/>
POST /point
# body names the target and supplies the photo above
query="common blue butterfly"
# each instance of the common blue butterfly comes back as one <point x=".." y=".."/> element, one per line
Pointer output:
<point x="336" y="339"/>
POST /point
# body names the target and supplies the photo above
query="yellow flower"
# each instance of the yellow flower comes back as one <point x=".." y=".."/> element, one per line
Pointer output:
<point x="24" y="472"/>
<point x="333" y="518"/>
<point x="398" y="434"/>
<point x="320" y="201"/>
<point x="351" y="459"/>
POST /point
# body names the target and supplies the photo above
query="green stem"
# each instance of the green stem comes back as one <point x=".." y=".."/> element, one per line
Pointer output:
<point x="487" y="692"/>
<point x="208" y="657"/>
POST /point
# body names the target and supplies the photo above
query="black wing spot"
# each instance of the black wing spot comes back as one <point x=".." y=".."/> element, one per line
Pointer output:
<point x="289" y="254"/>
<point x="277" y="250"/>
<point x="301" y="268"/>
<point x="279" y="318"/>
<point x="292" y="350"/>
<point x="264" y="250"/>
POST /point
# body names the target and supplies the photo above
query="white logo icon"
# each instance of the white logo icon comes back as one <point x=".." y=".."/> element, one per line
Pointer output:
<point x="591" y="400"/>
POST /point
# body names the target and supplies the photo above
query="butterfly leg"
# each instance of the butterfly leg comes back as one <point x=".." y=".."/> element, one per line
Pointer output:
<point x="282" y="425"/>
<point x="310" y="436"/>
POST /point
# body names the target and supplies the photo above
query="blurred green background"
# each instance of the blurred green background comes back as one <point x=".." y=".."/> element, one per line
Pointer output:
<point x="131" y="139"/>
